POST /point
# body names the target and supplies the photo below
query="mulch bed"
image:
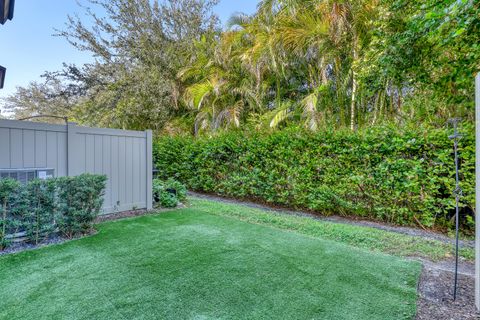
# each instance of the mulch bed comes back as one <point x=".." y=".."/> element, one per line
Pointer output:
<point x="436" y="296"/>
<point x="122" y="215"/>
<point x="134" y="213"/>
<point x="53" y="239"/>
<point x="21" y="246"/>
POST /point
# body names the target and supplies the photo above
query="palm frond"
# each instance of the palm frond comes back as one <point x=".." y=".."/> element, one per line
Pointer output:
<point x="310" y="113"/>
<point x="302" y="31"/>
<point x="239" y="19"/>
<point x="196" y="93"/>
<point x="202" y="121"/>
<point x="230" y="116"/>
<point x="280" y="116"/>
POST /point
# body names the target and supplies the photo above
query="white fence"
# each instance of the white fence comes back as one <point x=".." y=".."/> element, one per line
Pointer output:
<point x="125" y="157"/>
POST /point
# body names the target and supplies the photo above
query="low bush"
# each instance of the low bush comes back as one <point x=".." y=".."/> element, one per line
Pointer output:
<point x="39" y="218"/>
<point x="8" y="187"/>
<point x="80" y="199"/>
<point x="168" y="193"/>
<point x="398" y="175"/>
<point x="43" y="207"/>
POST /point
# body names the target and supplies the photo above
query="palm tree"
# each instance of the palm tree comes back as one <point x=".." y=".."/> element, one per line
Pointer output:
<point x="218" y="86"/>
<point x="349" y="24"/>
<point x="292" y="59"/>
<point x="335" y="30"/>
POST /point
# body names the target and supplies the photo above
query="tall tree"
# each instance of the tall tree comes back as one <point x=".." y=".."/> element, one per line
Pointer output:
<point x="139" y="47"/>
<point x="318" y="63"/>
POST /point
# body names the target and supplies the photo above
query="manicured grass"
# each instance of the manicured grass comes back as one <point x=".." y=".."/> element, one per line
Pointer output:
<point x="358" y="236"/>
<point x="190" y="264"/>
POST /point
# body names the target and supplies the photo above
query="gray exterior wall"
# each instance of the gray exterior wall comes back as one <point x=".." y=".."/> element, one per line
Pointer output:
<point x="124" y="156"/>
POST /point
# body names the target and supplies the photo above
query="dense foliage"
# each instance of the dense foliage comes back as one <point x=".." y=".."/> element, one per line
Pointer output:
<point x="400" y="176"/>
<point x="166" y="65"/>
<point x="7" y="189"/>
<point x="168" y="193"/>
<point x="39" y="214"/>
<point x="138" y="46"/>
<point x="41" y="208"/>
<point x="317" y="68"/>
<point x="80" y="199"/>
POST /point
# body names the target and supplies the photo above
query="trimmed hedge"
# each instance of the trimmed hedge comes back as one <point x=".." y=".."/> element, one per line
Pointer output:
<point x="402" y="176"/>
<point x="80" y="200"/>
<point x="40" y="208"/>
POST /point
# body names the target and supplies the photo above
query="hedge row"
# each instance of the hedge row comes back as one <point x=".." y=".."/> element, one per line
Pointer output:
<point x="403" y="176"/>
<point x="41" y="208"/>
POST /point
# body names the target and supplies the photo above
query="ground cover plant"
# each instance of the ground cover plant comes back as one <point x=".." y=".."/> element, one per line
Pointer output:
<point x="191" y="264"/>
<point x="168" y="193"/>
<point x="401" y="176"/>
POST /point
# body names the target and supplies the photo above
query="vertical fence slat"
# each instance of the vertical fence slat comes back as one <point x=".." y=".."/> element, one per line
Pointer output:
<point x="28" y="142"/>
<point x="143" y="169"/>
<point x="40" y="149"/>
<point x="62" y="154"/>
<point x="5" y="145"/>
<point x="122" y="181"/>
<point x="16" y="148"/>
<point x="106" y="169"/>
<point x="124" y="156"/>
<point x="70" y="147"/>
<point x="51" y="149"/>
<point x="115" y="170"/>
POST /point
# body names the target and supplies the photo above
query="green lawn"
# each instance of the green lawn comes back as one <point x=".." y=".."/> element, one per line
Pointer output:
<point x="191" y="264"/>
<point x="358" y="236"/>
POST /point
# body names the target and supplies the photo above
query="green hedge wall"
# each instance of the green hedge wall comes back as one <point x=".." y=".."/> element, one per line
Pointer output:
<point x="400" y="176"/>
<point x="41" y="208"/>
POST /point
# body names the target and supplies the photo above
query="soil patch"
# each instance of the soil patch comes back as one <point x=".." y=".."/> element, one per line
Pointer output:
<point x="134" y="213"/>
<point x="436" y="295"/>
<point x="16" y="247"/>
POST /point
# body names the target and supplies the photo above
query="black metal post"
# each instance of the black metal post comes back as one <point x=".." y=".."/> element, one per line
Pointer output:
<point x="458" y="193"/>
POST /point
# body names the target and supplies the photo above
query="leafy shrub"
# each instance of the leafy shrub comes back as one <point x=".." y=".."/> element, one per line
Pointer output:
<point x="8" y="187"/>
<point x="168" y="193"/>
<point x="398" y="175"/>
<point x="179" y="188"/>
<point x="40" y="208"/>
<point x="80" y="199"/>
<point x="39" y="219"/>
<point x="168" y="200"/>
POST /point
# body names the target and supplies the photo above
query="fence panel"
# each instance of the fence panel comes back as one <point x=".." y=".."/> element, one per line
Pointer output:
<point x="124" y="156"/>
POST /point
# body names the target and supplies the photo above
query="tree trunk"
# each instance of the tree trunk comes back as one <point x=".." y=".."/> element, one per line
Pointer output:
<point x="376" y="107"/>
<point x="278" y="97"/>
<point x="354" y="84"/>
